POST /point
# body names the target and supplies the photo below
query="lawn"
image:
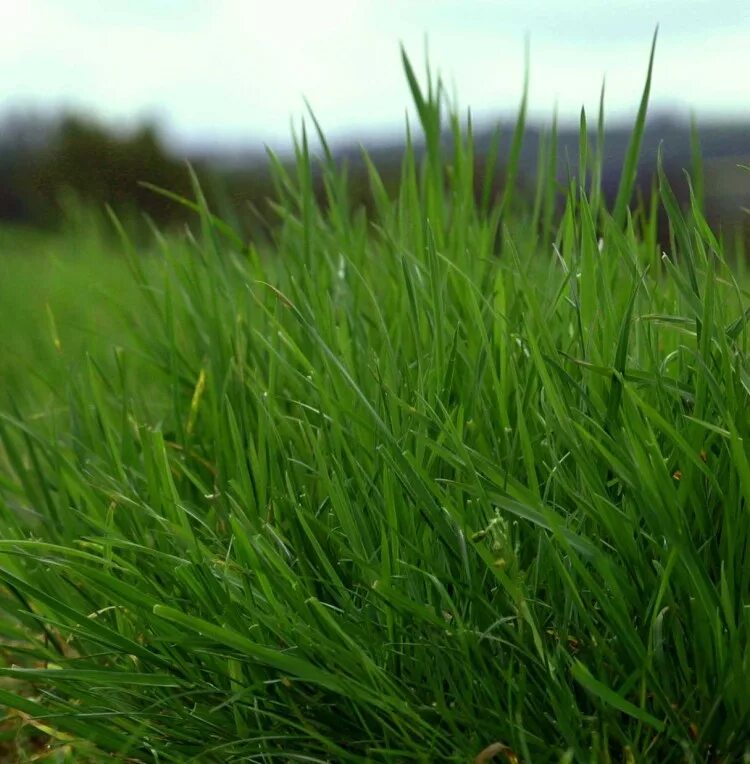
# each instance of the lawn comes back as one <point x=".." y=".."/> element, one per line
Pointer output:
<point x="463" y="479"/>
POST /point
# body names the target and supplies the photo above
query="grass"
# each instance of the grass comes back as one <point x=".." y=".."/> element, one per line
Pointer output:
<point x="60" y="295"/>
<point x="469" y="478"/>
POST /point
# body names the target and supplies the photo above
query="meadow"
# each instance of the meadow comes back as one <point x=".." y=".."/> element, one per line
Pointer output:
<point x="465" y="478"/>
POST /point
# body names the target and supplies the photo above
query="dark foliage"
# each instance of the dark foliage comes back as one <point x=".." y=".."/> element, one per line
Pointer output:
<point x="43" y="160"/>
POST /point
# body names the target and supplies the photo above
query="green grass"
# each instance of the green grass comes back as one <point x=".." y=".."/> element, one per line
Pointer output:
<point x="470" y="472"/>
<point x="60" y="294"/>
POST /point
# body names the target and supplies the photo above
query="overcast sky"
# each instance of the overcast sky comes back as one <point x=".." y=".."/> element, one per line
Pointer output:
<point x="235" y="71"/>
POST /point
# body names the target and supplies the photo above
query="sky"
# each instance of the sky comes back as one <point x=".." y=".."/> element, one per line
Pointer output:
<point x="234" y="72"/>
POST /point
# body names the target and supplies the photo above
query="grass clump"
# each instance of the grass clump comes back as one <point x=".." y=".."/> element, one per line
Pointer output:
<point x="470" y="476"/>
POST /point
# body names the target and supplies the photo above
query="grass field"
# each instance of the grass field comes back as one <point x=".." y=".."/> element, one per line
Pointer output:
<point x="466" y="480"/>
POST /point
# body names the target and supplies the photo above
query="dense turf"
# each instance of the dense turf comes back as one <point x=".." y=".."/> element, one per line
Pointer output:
<point x="472" y="472"/>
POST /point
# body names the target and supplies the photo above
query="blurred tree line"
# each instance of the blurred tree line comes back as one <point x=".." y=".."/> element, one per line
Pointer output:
<point x="43" y="159"/>
<point x="46" y="161"/>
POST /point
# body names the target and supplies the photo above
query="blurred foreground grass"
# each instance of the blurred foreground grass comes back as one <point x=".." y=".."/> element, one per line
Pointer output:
<point x="60" y="297"/>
